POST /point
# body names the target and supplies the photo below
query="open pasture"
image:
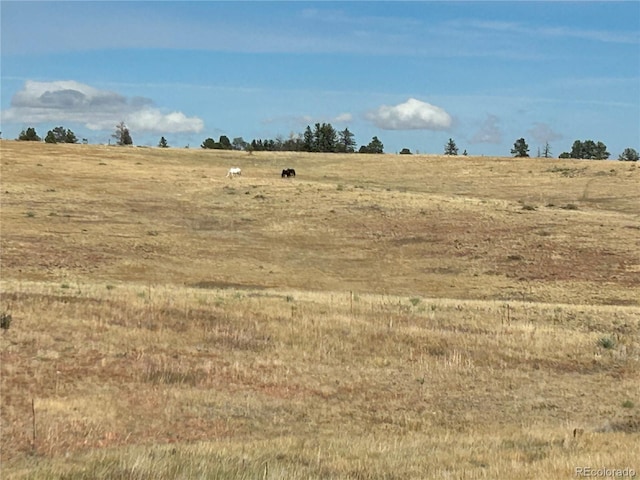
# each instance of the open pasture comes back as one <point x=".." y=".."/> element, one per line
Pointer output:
<point x="377" y="316"/>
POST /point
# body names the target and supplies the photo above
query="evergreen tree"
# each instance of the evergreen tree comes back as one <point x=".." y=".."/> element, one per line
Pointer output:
<point x="208" y="143"/>
<point x="70" y="137"/>
<point x="60" y="135"/>
<point x="375" y="146"/>
<point x="50" y="138"/>
<point x="346" y="142"/>
<point x="317" y="135"/>
<point x="163" y="143"/>
<point x="122" y="135"/>
<point x="327" y="139"/>
<point x="238" y="143"/>
<point x="451" y="148"/>
<point x="629" y="155"/>
<point x="224" y="143"/>
<point x="29" y="135"/>
<point x="520" y="148"/>
<point x="589" y="150"/>
<point x="308" y="144"/>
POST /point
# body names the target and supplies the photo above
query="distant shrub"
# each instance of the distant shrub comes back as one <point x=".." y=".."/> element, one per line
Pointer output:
<point x="414" y="301"/>
<point x="607" y="342"/>
<point x="570" y="206"/>
<point x="628" y="404"/>
<point x="5" y="321"/>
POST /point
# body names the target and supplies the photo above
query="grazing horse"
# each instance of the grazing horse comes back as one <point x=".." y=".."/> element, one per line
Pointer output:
<point x="288" y="172"/>
<point x="233" y="171"/>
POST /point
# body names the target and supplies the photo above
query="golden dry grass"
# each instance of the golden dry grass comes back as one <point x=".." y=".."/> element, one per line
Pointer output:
<point x="376" y="317"/>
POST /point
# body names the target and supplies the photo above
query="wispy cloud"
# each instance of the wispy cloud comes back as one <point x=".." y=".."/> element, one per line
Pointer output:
<point x="522" y="28"/>
<point x="488" y="131"/>
<point x="542" y="133"/>
<point x="71" y="101"/>
<point x="301" y="121"/>
<point x="410" y="115"/>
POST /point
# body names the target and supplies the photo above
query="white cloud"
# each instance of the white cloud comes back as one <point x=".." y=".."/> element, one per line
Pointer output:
<point x="297" y="121"/>
<point x="542" y="133"/>
<point x="410" y="115"/>
<point x="343" y="118"/>
<point x="71" y="101"/>
<point x="488" y="131"/>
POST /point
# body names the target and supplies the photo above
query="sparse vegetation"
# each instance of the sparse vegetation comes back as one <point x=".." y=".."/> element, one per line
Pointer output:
<point x="420" y="325"/>
<point x="5" y="320"/>
<point x="570" y="206"/>
<point x="607" y="342"/>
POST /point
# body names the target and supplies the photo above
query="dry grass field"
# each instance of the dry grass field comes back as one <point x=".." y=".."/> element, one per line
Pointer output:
<point x="377" y="317"/>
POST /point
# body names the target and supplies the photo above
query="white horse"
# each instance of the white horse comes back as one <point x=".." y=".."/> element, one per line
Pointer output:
<point x="233" y="171"/>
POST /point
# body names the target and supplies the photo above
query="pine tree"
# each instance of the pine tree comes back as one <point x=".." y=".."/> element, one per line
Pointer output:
<point x="308" y="144"/>
<point x="346" y="142"/>
<point x="29" y="135"/>
<point x="122" y="135"/>
<point x="450" y="148"/>
<point x="520" y="148"/>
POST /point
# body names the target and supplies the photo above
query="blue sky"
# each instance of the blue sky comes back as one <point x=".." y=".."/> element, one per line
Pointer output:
<point x="414" y="74"/>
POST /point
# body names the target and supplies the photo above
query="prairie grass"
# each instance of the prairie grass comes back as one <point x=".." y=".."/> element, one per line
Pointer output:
<point x="415" y="325"/>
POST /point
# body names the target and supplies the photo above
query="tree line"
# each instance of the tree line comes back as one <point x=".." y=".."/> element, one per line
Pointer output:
<point x="584" y="150"/>
<point x="324" y="138"/>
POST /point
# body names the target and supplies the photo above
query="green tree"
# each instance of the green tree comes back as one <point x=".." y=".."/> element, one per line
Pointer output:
<point x="224" y="143"/>
<point x="238" y="143"/>
<point x="629" y="155"/>
<point x="600" y="152"/>
<point x="122" y="135"/>
<point x="29" y="135"/>
<point x="50" y="138"/>
<point x="589" y="150"/>
<point x="209" y="143"/>
<point x="450" y="148"/>
<point x="308" y="143"/>
<point x="293" y="143"/>
<point x="346" y="141"/>
<point x="60" y="135"/>
<point x="374" y="146"/>
<point x="328" y="139"/>
<point x="520" y="149"/>
<point x="70" y="137"/>
<point x="405" y="151"/>
<point x="163" y="143"/>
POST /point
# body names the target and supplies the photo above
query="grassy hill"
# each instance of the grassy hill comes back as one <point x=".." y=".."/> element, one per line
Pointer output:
<point x="378" y="316"/>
